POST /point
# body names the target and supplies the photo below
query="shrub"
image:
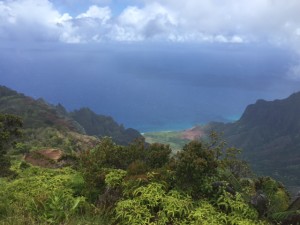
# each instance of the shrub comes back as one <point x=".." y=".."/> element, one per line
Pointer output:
<point x="43" y="194"/>
<point x="196" y="167"/>
<point x="152" y="204"/>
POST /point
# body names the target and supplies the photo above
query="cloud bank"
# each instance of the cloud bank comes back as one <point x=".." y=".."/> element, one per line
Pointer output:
<point x="230" y="21"/>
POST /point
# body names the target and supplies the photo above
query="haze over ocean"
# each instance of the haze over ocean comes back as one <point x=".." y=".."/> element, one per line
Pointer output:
<point x="152" y="65"/>
<point x="150" y="86"/>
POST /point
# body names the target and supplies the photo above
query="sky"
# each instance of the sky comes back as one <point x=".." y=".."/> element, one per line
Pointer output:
<point x="177" y="57"/>
<point x="84" y="21"/>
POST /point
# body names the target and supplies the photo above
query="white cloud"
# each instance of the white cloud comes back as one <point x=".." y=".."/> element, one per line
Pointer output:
<point x="236" y="39"/>
<point x="34" y="12"/>
<point x="144" y="23"/>
<point x="39" y="20"/>
<point x="28" y="19"/>
<point x="95" y="12"/>
<point x="229" y="21"/>
<point x="154" y="21"/>
<point x="256" y="19"/>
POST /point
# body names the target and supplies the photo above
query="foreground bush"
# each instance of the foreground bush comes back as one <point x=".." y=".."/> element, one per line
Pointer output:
<point x="205" y="183"/>
<point x="48" y="196"/>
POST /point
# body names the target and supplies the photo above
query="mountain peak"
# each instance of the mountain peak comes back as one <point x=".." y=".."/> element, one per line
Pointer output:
<point x="277" y="112"/>
<point x="269" y="134"/>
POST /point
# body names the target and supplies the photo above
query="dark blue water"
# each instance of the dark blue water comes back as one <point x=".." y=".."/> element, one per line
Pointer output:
<point x="150" y="86"/>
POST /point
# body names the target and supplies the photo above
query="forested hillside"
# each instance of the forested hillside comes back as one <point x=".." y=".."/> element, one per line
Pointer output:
<point x="269" y="134"/>
<point x="101" y="126"/>
<point x="45" y="121"/>
<point x="53" y="174"/>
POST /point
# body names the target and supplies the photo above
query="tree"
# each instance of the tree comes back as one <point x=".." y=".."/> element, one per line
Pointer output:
<point x="196" y="165"/>
<point x="9" y="129"/>
<point x="157" y="155"/>
<point x="92" y="165"/>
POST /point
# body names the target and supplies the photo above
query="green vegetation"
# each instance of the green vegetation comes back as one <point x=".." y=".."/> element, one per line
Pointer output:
<point x="172" y="138"/>
<point x="268" y="133"/>
<point x="9" y="129"/>
<point x="140" y="184"/>
<point x="101" y="126"/>
<point x="55" y="174"/>
<point x="43" y="121"/>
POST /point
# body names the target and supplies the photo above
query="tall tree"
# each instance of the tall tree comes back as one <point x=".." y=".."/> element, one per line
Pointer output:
<point x="9" y="129"/>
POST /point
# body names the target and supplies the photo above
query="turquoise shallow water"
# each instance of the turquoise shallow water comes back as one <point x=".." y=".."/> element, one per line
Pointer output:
<point x="166" y="127"/>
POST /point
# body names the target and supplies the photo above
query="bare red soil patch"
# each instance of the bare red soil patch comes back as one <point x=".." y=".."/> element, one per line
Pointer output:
<point x="193" y="133"/>
<point x="54" y="154"/>
<point x="45" y="158"/>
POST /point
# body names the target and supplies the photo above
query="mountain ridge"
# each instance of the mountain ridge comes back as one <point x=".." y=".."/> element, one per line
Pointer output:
<point x="100" y="126"/>
<point x="268" y="132"/>
<point x="37" y="113"/>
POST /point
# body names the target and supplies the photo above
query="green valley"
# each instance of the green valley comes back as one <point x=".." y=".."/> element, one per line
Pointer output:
<point x="54" y="172"/>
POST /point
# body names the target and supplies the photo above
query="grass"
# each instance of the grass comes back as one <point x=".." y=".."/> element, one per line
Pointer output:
<point x="172" y="138"/>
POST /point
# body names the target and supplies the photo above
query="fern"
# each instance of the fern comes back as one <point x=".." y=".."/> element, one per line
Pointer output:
<point x="280" y="216"/>
<point x="132" y="212"/>
<point x="115" y="177"/>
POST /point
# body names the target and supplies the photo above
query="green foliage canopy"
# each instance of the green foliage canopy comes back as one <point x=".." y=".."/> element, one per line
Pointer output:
<point x="9" y="129"/>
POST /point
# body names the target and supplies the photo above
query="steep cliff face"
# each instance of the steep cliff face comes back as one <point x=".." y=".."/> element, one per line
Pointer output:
<point x="269" y="134"/>
<point x="279" y="116"/>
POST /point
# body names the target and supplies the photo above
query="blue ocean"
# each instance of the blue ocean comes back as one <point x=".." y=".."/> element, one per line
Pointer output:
<point x="151" y="87"/>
